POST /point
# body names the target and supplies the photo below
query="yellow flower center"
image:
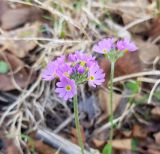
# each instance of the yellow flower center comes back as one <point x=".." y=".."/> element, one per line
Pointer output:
<point x="66" y="74"/>
<point x="92" y="78"/>
<point x="125" y="51"/>
<point x="104" y="50"/>
<point x="82" y="63"/>
<point x="68" y="88"/>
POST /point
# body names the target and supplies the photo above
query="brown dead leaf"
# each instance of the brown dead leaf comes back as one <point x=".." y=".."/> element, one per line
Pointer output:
<point x="7" y="145"/>
<point x="128" y="64"/>
<point x="122" y="144"/>
<point x="127" y="9"/>
<point x="156" y="111"/>
<point x="3" y="7"/>
<point x="11" y="148"/>
<point x="147" y="51"/>
<point x="14" y="18"/>
<point x="99" y="144"/>
<point x="74" y="135"/>
<point x="18" y="75"/>
<point x="20" y="48"/>
<point x="126" y="133"/>
<point x="155" y="29"/>
<point x="157" y="137"/>
<point x="152" y="151"/>
<point x="139" y="132"/>
<point x="42" y="148"/>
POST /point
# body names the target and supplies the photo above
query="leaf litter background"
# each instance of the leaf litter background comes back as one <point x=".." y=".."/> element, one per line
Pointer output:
<point x="34" y="120"/>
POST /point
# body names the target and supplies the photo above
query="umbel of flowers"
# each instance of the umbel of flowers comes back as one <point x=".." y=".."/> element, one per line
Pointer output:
<point x="78" y="68"/>
<point x="71" y="71"/>
<point x="113" y="50"/>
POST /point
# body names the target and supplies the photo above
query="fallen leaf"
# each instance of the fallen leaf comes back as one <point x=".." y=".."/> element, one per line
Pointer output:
<point x="126" y="133"/>
<point x="3" y="7"/>
<point x="99" y="144"/>
<point x="14" y="18"/>
<point x="42" y="148"/>
<point x="139" y="132"/>
<point x="156" y="111"/>
<point x="18" y="74"/>
<point x="11" y="148"/>
<point x="130" y="61"/>
<point x="157" y="137"/>
<point x="20" y="48"/>
<point x="127" y="9"/>
<point x="7" y="145"/>
<point x="147" y="51"/>
<point x="122" y="144"/>
<point x="152" y="151"/>
<point x="74" y="135"/>
<point x="155" y="29"/>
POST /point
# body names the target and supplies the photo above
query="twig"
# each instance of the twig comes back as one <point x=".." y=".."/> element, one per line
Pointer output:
<point x="154" y="72"/>
<point x="152" y="91"/>
<point x="60" y="143"/>
<point x="108" y="125"/>
<point x="61" y="41"/>
<point x="64" y="124"/>
<point x="138" y="21"/>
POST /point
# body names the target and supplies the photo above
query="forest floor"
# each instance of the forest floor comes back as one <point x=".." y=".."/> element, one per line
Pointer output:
<point x="34" y="120"/>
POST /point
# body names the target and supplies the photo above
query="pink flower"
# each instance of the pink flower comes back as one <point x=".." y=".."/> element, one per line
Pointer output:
<point x="63" y="69"/>
<point x="79" y="69"/>
<point x="96" y="76"/>
<point x="66" y="88"/>
<point x="55" y="69"/>
<point x="50" y="72"/>
<point x="81" y="58"/>
<point x="126" y="45"/>
<point x="60" y="60"/>
<point x="104" y="46"/>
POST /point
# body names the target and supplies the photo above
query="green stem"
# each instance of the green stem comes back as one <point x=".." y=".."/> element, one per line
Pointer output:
<point x="77" y="124"/>
<point x="111" y="102"/>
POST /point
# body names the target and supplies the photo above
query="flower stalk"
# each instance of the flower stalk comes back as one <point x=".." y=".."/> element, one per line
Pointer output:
<point x="113" y="50"/>
<point x="78" y="129"/>
<point x="111" y="103"/>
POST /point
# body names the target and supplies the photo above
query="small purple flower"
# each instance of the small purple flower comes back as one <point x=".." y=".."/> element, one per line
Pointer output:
<point x="126" y="45"/>
<point x="60" y="60"/>
<point x="63" y="69"/>
<point x="81" y="69"/>
<point x="50" y="72"/>
<point x="66" y="88"/>
<point x="82" y="58"/>
<point x="104" y="46"/>
<point x="96" y="76"/>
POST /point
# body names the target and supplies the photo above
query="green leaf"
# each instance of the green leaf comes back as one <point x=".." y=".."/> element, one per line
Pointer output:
<point x="134" y="144"/>
<point x="4" y="68"/>
<point x="133" y="86"/>
<point x="107" y="149"/>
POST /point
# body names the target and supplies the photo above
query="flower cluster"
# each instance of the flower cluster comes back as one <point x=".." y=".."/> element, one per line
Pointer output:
<point x="107" y="45"/>
<point x="70" y="71"/>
